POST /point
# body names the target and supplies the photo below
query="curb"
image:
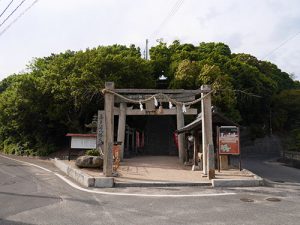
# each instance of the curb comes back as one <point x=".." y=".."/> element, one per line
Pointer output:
<point x="162" y="184"/>
<point x="237" y="183"/>
<point x="256" y="182"/>
<point x="83" y="178"/>
<point x="109" y="182"/>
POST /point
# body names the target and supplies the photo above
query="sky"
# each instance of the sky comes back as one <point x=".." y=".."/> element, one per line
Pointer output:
<point x="267" y="29"/>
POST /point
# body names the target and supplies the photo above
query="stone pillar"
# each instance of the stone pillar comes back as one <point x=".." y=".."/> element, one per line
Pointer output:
<point x="121" y="127"/>
<point x="224" y="162"/>
<point x="100" y="130"/>
<point x="180" y="124"/>
<point x="109" y="134"/>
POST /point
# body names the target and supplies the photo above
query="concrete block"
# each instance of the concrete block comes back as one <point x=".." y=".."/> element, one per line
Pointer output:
<point x="76" y="174"/>
<point x="236" y="183"/>
<point x="104" y="182"/>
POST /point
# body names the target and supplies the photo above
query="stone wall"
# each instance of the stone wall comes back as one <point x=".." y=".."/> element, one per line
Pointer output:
<point x="291" y="155"/>
<point x="267" y="145"/>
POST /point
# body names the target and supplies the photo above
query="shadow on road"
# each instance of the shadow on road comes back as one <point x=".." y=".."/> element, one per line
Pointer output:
<point x="10" y="222"/>
<point x="89" y="202"/>
<point x="267" y="166"/>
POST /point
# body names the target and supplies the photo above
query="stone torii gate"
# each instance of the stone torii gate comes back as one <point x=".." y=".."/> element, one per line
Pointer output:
<point x="105" y="132"/>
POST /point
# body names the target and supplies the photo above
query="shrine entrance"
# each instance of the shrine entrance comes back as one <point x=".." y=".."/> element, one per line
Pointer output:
<point x="161" y="107"/>
<point x="156" y="136"/>
<point x="159" y="135"/>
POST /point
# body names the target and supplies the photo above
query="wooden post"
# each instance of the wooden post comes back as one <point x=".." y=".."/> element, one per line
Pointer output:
<point x="69" y="155"/>
<point x="109" y="134"/>
<point x="133" y="140"/>
<point x="121" y="127"/>
<point x="196" y="150"/>
<point x="204" y="139"/>
<point x="207" y="138"/>
<point x="211" y="161"/>
<point x="127" y="133"/>
<point x="180" y="124"/>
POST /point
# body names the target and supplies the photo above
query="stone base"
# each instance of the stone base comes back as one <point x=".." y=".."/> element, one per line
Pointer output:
<point x="224" y="162"/>
<point x="196" y="168"/>
<point x="104" y="182"/>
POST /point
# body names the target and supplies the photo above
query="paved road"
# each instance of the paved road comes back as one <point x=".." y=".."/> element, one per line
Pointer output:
<point x="29" y="195"/>
<point x="268" y="168"/>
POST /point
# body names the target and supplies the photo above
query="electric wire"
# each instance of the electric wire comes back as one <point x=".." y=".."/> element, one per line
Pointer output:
<point x="172" y="12"/>
<point x="6" y="8"/>
<point x="279" y="46"/>
<point x="18" y="17"/>
<point x="12" y="13"/>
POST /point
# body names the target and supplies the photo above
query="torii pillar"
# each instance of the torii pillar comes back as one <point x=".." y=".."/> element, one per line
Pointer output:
<point x="109" y="133"/>
<point x="180" y="124"/>
<point x="207" y="138"/>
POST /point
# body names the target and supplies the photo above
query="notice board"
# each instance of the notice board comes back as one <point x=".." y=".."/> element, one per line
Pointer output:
<point x="229" y="140"/>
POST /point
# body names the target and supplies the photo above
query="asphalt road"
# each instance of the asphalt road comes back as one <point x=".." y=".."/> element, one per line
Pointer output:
<point x="30" y="195"/>
<point x="268" y="168"/>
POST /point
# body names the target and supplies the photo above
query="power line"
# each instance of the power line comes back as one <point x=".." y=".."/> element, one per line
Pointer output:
<point x="12" y="13"/>
<point x="172" y="12"/>
<point x="279" y="46"/>
<point x="17" y="18"/>
<point x="6" y="7"/>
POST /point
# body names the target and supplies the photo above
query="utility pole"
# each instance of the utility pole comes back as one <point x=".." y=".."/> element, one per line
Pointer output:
<point x="146" y="50"/>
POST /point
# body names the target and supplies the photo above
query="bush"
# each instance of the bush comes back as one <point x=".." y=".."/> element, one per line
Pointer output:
<point x="11" y="148"/>
<point x="256" y="131"/>
<point x="44" y="150"/>
<point x="92" y="152"/>
<point x="294" y="140"/>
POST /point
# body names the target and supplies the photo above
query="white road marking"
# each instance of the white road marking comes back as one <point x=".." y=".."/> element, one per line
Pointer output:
<point x="72" y="184"/>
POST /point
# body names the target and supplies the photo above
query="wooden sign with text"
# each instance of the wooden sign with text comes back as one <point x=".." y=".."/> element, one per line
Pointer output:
<point x="229" y="140"/>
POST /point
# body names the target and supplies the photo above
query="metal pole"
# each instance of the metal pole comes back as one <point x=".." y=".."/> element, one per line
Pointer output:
<point x="218" y="155"/>
<point x="240" y="163"/>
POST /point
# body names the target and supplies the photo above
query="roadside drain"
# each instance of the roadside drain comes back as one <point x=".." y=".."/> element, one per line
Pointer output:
<point x="247" y="200"/>
<point x="273" y="199"/>
<point x="267" y="199"/>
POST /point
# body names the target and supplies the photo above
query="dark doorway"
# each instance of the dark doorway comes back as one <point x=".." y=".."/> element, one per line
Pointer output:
<point x="158" y="134"/>
<point x="159" y="131"/>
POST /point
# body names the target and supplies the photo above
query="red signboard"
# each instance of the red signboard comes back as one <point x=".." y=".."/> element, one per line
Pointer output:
<point x="229" y="140"/>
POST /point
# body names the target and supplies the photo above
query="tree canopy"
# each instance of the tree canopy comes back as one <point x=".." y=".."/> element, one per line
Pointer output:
<point x="61" y="92"/>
